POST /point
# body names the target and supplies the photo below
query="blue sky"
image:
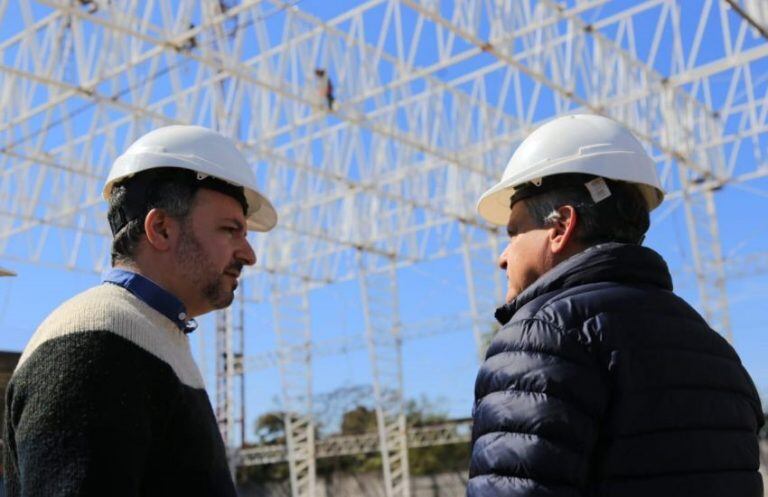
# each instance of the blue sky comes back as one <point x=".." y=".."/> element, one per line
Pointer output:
<point x="442" y="366"/>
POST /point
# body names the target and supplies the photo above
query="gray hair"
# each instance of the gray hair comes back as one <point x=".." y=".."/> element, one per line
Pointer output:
<point x="622" y="217"/>
<point x="175" y="198"/>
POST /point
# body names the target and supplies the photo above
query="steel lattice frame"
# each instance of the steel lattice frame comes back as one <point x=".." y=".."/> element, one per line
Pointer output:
<point x="406" y="145"/>
<point x="291" y="315"/>
<point x="383" y="332"/>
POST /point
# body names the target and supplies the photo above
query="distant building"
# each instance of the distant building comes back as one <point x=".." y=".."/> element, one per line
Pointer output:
<point x="8" y="361"/>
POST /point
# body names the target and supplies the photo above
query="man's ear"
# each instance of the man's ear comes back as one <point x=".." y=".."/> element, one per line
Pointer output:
<point x="563" y="228"/>
<point x="161" y="229"/>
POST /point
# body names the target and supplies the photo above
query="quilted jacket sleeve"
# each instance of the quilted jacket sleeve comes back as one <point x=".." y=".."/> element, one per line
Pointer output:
<point x="539" y="398"/>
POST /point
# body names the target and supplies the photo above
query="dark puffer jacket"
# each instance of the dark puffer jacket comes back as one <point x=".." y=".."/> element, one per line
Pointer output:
<point x="604" y="383"/>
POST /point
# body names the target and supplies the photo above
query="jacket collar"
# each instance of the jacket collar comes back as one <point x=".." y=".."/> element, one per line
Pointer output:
<point x="607" y="262"/>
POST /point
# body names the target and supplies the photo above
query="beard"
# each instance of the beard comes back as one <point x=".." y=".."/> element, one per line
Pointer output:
<point x="202" y="273"/>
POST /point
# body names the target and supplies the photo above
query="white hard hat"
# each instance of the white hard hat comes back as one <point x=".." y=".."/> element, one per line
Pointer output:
<point x="6" y="272"/>
<point x="579" y="143"/>
<point x="197" y="149"/>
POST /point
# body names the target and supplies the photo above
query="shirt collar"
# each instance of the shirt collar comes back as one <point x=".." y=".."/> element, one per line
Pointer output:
<point x="153" y="295"/>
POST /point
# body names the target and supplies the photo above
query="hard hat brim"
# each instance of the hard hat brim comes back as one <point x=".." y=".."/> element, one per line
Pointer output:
<point x="264" y="217"/>
<point x="493" y="205"/>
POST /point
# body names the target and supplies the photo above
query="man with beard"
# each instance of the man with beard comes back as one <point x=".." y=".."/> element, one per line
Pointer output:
<point x="106" y="399"/>
<point x="602" y="382"/>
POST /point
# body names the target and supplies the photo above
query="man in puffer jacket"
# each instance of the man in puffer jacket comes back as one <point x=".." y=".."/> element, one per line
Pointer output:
<point x="602" y="382"/>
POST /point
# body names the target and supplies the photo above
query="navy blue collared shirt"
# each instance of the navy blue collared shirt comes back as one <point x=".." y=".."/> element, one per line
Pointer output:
<point x="153" y="295"/>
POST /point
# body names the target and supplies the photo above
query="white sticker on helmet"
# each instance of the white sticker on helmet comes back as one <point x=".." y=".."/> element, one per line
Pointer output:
<point x="598" y="189"/>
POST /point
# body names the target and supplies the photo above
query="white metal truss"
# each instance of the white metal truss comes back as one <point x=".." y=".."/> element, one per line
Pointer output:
<point x="291" y="316"/>
<point x="431" y="98"/>
<point x="534" y="21"/>
<point x="483" y="280"/>
<point x="701" y="218"/>
<point x="736" y="268"/>
<point x="432" y="149"/>
<point x="224" y="374"/>
<point x="230" y="377"/>
<point x="455" y="323"/>
<point x="381" y="311"/>
<point x="454" y="432"/>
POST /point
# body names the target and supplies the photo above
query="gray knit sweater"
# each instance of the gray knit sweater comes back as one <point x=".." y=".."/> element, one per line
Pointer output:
<point x="107" y="401"/>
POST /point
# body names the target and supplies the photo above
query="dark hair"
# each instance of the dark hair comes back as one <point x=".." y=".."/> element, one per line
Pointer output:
<point x="170" y="189"/>
<point x="622" y="217"/>
<point x="174" y="198"/>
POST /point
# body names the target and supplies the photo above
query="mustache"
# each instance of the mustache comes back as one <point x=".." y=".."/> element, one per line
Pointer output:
<point x="235" y="267"/>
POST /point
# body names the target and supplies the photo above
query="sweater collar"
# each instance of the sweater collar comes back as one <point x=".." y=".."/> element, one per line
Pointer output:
<point x="153" y="295"/>
<point x="607" y="262"/>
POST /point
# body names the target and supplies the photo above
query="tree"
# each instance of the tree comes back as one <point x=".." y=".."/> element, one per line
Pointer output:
<point x="350" y="411"/>
<point x="437" y="458"/>
<point x="358" y="421"/>
<point x="422" y="461"/>
<point x="270" y="428"/>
